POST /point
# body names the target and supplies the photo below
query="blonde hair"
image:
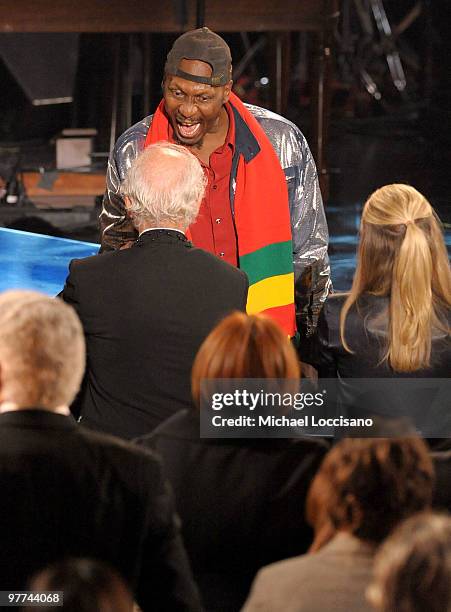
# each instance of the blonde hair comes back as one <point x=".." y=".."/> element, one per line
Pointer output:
<point x="402" y="255"/>
<point x="42" y="350"/>
<point x="244" y="346"/>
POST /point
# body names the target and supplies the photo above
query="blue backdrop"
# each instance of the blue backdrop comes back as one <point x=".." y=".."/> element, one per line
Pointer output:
<point x="33" y="261"/>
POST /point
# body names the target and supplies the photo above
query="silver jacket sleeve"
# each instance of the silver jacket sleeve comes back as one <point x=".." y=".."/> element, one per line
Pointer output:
<point x="308" y="221"/>
<point x="116" y="229"/>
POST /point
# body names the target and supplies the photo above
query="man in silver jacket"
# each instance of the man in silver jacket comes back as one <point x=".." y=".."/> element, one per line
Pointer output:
<point x="308" y="222"/>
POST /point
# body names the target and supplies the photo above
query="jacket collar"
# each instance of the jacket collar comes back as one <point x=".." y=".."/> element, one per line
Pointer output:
<point x="245" y="142"/>
<point x="37" y="418"/>
<point x="168" y="230"/>
<point x="162" y="236"/>
<point x="345" y="543"/>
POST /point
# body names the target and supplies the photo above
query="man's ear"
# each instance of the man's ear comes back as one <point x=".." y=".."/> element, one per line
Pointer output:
<point x="227" y="90"/>
<point x="354" y="512"/>
<point x="127" y="204"/>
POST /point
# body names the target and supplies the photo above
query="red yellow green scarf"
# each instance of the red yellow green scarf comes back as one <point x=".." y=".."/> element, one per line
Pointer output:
<point x="262" y="221"/>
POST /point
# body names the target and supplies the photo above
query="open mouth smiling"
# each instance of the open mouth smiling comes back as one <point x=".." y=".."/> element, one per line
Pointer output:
<point x="188" y="130"/>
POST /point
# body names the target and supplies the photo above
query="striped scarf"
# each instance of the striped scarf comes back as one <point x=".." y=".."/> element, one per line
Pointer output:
<point x="262" y="221"/>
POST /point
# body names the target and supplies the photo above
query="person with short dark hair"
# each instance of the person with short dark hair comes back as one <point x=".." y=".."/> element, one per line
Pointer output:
<point x="412" y="570"/>
<point x="86" y="585"/>
<point x="67" y="491"/>
<point x="262" y="209"/>
<point x="363" y="489"/>
<point x="241" y="500"/>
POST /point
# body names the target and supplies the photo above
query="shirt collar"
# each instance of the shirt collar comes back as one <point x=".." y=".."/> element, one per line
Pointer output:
<point x="230" y="138"/>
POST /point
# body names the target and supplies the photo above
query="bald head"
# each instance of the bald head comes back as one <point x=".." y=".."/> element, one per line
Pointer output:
<point x="42" y="351"/>
<point x="164" y="187"/>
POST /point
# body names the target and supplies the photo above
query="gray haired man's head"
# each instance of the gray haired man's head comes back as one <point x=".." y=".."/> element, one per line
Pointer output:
<point x="42" y="351"/>
<point x="164" y="187"/>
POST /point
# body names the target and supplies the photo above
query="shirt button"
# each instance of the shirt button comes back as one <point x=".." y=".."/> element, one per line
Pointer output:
<point x="221" y="254"/>
<point x="214" y="187"/>
<point x="218" y="221"/>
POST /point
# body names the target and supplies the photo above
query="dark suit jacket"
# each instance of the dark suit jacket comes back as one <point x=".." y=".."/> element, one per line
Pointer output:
<point x="67" y="491"/>
<point x="241" y="502"/>
<point x="145" y="312"/>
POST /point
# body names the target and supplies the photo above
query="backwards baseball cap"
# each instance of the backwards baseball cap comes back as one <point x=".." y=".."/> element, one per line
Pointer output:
<point x="205" y="46"/>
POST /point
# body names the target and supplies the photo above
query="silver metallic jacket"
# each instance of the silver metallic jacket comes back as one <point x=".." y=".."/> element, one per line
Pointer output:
<point x="308" y="222"/>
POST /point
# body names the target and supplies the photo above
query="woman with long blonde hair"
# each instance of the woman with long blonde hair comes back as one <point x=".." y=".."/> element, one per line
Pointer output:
<point x="395" y="319"/>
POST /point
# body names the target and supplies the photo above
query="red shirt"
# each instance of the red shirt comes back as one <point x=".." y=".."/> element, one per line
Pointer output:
<point x="214" y="228"/>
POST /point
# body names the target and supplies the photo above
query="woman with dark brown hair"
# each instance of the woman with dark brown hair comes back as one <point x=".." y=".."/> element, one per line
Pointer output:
<point x="363" y="489"/>
<point x="241" y="500"/>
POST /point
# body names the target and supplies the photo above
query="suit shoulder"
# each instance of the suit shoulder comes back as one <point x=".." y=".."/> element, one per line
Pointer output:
<point x="95" y="261"/>
<point x="365" y="305"/>
<point x="286" y="138"/>
<point x="336" y="299"/>
<point x="264" y="115"/>
<point x="134" y="135"/>
<point x="300" y="566"/>
<point x="334" y="302"/>
<point x="218" y="265"/>
<point x="282" y="572"/>
<point x="121" y="452"/>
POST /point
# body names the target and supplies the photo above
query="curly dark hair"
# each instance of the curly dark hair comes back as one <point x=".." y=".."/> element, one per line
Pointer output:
<point x="368" y="485"/>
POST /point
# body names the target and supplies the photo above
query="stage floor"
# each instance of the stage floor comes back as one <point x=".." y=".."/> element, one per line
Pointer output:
<point x="35" y="261"/>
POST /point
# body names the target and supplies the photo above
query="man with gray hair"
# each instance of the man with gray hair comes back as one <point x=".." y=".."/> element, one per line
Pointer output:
<point x="147" y="309"/>
<point x="67" y="491"/>
<point x="164" y="187"/>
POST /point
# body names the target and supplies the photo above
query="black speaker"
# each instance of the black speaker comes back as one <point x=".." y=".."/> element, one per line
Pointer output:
<point x="44" y="65"/>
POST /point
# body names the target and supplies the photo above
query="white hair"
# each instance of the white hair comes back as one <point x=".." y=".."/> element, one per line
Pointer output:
<point x="165" y="183"/>
<point x="42" y="350"/>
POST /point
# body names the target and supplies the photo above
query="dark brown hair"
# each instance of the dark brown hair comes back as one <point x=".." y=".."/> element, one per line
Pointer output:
<point x="367" y="485"/>
<point x="88" y="585"/>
